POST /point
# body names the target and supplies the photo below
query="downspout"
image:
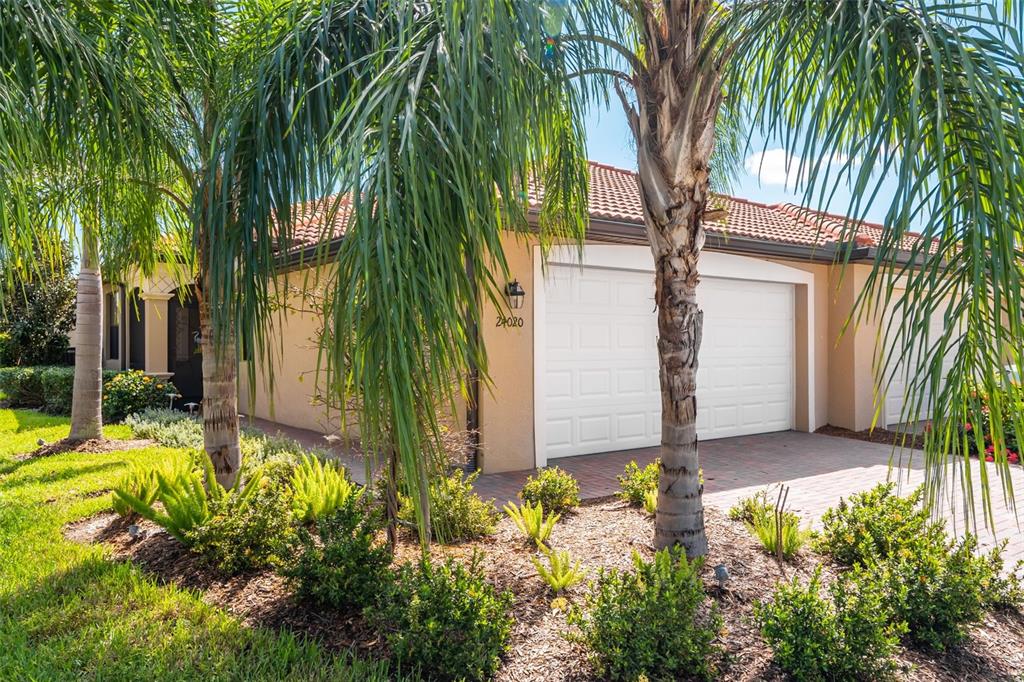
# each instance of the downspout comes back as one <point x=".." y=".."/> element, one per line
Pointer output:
<point x="473" y="378"/>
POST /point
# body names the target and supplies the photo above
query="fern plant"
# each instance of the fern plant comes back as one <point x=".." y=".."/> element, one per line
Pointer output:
<point x="142" y="484"/>
<point x="651" y="501"/>
<point x="765" y="527"/>
<point x="318" y="489"/>
<point x="187" y="497"/>
<point x="530" y="519"/>
<point x="561" y="572"/>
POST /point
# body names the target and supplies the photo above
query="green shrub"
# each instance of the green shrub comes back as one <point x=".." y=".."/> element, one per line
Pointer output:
<point x="259" y="448"/>
<point x="940" y="587"/>
<point x="23" y="386"/>
<point x="875" y="523"/>
<point x="133" y="391"/>
<point x="456" y="512"/>
<point x="561" y="572"/>
<point x="531" y="521"/>
<point x="635" y="483"/>
<point x="318" y="489"/>
<point x="339" y="562"/>
<point x="557" y="490"/>
<point x="39" y="308"/>
<point x="937" y="586"/>
<point x="850" y="637"/>
<point x="58" y="388"/>
<point x="653" y="621"/>
<point x="248" y="528"/>
<point x="748" y="508"/>
<point x="6" y="350"/>
<point x="446" y="620"/>
<point x="276" y="455"/>
<point x="765" y="527"/>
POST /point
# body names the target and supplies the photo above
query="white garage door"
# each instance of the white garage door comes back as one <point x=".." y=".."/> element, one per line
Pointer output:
<point x="896" y="395"/>
<point x="601" y="390"/>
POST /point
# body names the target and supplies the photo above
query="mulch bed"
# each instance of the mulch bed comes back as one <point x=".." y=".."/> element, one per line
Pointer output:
<point x="876" y="435"/>
<point x="603" y="534"/>
<point x="92" y="446"/>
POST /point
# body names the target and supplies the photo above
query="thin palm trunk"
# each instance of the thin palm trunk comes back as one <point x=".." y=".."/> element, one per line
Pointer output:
<point x="680" y="515"/>
<point x="87" y="398"/>
<point x="220" y="398"/>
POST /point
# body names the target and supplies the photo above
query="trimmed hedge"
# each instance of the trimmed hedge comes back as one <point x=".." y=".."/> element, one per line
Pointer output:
<point x="22" y="385"/>
<point x="6" y="350"/>
<point x="50" y="388"/>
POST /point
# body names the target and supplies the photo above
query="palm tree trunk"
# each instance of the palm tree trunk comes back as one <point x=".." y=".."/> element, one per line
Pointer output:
<point x="87" y="396"/>
<point x="679" y="519"/>
<point x="220" y="398"/>
<point x="677" y="98"/>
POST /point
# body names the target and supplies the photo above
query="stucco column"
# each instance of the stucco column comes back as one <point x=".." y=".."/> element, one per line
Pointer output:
<point x="156" y="332"/>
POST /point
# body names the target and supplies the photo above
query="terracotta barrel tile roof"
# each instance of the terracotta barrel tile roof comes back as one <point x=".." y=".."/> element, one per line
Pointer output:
<point x="615" y="197"/>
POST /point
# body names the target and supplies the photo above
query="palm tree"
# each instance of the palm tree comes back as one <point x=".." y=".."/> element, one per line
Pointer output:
<point x="435" y="117"/>
<point x="56" y="60"/>
<point x="247" y="107"/>
<point x="927" y="93"/>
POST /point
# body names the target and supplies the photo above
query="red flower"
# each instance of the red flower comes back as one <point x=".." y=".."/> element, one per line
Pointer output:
<point x="991" y="450"/>
<point x="1013" y="457"/>
<point x="990" y="458"/>
<point x="967" y="427"/>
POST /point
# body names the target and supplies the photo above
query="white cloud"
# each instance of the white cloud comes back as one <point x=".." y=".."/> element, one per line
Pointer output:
<point x="775" y="167"/>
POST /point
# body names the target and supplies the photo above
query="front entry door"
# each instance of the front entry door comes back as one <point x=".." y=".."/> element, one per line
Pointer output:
<point x="184" y="352"/>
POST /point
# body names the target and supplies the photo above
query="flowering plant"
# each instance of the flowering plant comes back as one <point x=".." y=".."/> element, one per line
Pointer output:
<point x="134" y="391"/>
<point x="981" y="427"/>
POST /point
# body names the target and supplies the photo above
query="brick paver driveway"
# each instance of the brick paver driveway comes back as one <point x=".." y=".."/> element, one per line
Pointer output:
<point x="818" y="470"/>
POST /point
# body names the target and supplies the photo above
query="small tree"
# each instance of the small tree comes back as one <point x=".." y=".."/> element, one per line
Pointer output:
<point x="39" y="309"/>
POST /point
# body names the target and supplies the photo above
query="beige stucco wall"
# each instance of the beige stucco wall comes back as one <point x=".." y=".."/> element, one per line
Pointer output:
<point x="506" y="404"/>
<point x="852" y="397"/>
<point x="290" y="397"/>
<point x="843" y="376"/>
<point x="295" y="396"/>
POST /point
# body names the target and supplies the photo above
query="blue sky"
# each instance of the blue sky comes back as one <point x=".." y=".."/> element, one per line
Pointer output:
<point x="764" y="178"/>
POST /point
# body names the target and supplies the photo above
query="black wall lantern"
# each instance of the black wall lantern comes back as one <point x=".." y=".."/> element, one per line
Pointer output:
<point x="515" y="294"/>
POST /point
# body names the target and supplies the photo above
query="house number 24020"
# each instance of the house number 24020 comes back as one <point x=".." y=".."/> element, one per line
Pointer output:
<point x="510" y="321"/>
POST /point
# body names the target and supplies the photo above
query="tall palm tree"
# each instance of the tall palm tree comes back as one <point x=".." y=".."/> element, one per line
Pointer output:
<point x="858" y="90"/>
<point x="247" y="105"/>
<point x="58" y="63"/>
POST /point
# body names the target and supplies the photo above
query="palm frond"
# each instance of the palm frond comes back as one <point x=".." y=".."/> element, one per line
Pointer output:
<point x="930" y="95"/>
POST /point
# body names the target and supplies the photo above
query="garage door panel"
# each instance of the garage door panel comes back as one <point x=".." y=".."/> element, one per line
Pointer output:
<point x="603" y="386"/>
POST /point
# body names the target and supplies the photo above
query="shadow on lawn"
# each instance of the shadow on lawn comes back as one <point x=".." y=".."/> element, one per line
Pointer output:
<point x="30" y="420"/>
<point x="64" y="474"/>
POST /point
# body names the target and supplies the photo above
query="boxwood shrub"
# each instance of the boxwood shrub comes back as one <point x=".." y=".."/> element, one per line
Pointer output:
<point x="553" y="488"/>
<point x="446" y="621"/>
<point x="653" y="622"/>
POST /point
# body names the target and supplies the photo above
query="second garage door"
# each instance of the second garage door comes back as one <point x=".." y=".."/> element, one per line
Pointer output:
<point x="601" y="390"/>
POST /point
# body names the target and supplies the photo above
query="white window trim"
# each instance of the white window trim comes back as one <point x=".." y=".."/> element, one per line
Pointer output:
<point x="638" y="258"/>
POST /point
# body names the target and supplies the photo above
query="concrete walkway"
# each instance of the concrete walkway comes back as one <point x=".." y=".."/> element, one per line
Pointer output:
<point x="818" y="469"/>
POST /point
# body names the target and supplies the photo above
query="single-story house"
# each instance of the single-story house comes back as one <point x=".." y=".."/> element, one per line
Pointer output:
<point x="574" y="370"/>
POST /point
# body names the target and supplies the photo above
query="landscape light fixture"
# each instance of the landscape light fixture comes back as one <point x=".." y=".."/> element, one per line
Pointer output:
<point x="515" y="294"/>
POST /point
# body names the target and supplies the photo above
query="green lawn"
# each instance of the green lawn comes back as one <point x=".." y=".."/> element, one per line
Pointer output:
<point x="66" y="612"/>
